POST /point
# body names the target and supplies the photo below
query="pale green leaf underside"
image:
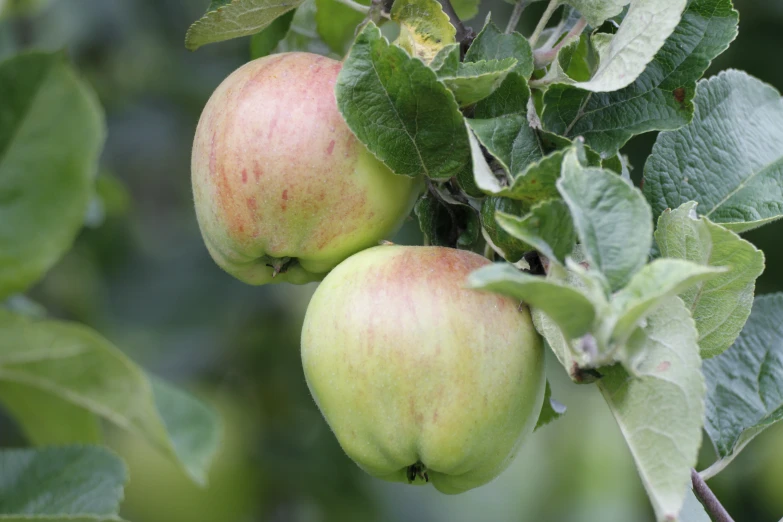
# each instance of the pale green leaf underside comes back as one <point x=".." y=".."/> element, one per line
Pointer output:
<point x="78" y="366"/>
<point x="563" y="348"/>
<point x="234" y="19"/>
<point x="729" y="159"/>
<point x="660" y="411"/>
<point x="720" y="306"/>
<point x="551" y="409"/>
<point x="50" y="138"/>
<point x="692" y="510"/>
<point x="597" y="11"/>
<point x="653" y="284"/>
<point x="548" y="228"/>
<point x="69" y="480"/>
<point x="399" y="109"/>
<point x="568" y="307"/>
<point x="641" y="35"/>
<point x="612" y="219"/>
<point x="660" y="99"/>
<point x="745" y="383"/>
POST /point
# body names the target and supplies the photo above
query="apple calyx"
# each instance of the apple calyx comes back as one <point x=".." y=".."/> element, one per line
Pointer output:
<point x="280" y="265"/>
<point x="417" y="470"/>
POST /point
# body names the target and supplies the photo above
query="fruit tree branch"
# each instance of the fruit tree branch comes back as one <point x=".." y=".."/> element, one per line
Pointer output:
<point x="463" y="33"/>
<point x="711" y="504"/>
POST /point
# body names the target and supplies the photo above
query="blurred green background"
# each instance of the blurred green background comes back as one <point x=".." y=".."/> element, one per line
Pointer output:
<point x="144" y="279"/>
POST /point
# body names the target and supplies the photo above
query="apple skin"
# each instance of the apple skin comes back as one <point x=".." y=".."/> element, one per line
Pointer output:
<point x="414" y="372"/>
<point x="277" y="174"/>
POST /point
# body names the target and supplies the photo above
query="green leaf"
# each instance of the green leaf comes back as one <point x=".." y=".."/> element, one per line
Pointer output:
<point x="303" y="34"/>
<point x="598" y="11"/>
<point x="77" y="365"/>
<point x="466" y="9"/>
<point x="447" y="225"/>
<point x="47" y="419"/>
<point x="424" y="28"/>
<point x="576" y="61"/>
<point x="397" y="107"/>
<point x="729" y="159"/>
<point x="722" y="305"/>
<point x="265" y="41"/>
<point x="71" y="480"/>
<point x="475" y="81"/>
<point x="651" y="286"/>
<point x="744" y="384"/>
<point x="566" y="350"/>
<point x="660" y="99"/>
<point x="692" y="510"/>
<point x="447" y="61"/>
<point x="612" y="219"/>
<point x="624" y="56"/>
<point x="510" y="139"/>
<point x="493" y="44"/>
<point x="548" y="228"/>
<point x="567" y="306"/>
<point x="51" y="134"/>
<point x="510" y="98"/>
<point x="660" y="411"/>
<point x="506" y="245"/>
<point x="551" y="409"/>
<point x="337" y="23"/>
<point x="229" y="19"/>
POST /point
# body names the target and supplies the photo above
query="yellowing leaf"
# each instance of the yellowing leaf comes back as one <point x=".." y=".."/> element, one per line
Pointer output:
<point x="424" y="28"/>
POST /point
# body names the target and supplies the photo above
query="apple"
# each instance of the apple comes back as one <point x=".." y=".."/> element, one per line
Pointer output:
<point x="420" y="378"/>
<point x="283" y="189"/>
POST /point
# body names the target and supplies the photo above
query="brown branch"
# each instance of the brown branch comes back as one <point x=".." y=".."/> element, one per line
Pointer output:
<point x="711" y="504"/>
<point x="465" y="35"/>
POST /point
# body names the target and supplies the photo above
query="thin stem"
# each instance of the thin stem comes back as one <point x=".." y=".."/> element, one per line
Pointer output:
<point x="711" y="504"/>
<point x="550" y="10"/>
<point x="516" y="14"/>
<point x="364" y="9"/>
<point x="544" y="56"/>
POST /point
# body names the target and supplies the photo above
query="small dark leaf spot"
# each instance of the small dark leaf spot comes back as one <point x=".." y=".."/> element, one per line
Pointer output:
<point x="679" y="95"/>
